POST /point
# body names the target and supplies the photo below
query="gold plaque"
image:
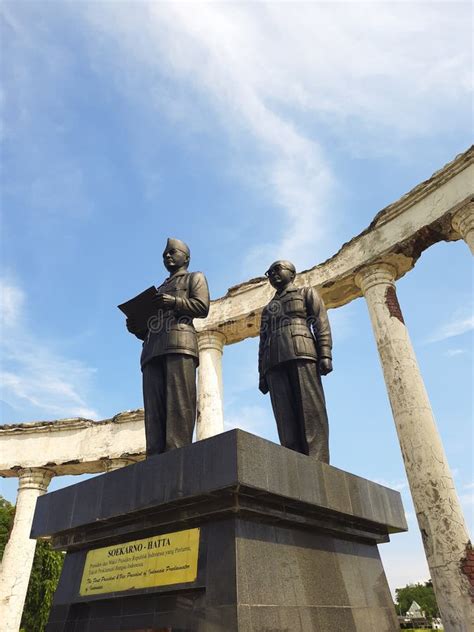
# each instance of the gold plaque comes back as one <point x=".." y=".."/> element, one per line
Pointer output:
<point x="163" y="560"/>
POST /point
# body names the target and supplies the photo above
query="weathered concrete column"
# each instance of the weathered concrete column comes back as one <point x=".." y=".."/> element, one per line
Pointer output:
<point x="438" y="510"/>
<point x="463" y="223"/>
<point x="210" y="417"/>
<point x="19" y="552"/>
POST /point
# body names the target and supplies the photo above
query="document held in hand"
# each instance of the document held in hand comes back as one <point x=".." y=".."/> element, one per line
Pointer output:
<point x="141" y="308"/>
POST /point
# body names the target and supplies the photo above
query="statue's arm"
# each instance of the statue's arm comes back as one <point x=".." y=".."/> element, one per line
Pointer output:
<point x="320" y="323"/>
<point x="263" y="386"/>
<point x="196" y="304"/>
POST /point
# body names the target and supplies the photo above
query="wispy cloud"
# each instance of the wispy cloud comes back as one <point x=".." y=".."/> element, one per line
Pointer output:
<point x="280" y="78"/>
<point x="254" y="419"/>
<point x="460" y="323"/>
<point x="12" y="302"/>
<point x="49" y="178"/>
<point x="224" y="54"/>
<point x="451" y="353"/>
<point x="281" y="82"/>
<point x="33" y="375"/>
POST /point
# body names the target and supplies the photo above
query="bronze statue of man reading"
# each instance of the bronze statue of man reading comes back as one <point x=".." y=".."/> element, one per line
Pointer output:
<point x="170" y="353"/>
<point x="295" y="350"/>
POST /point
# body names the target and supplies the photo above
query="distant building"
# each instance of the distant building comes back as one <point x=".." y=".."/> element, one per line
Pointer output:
<point x="415" y="618"/>
<point x="415" y="611"/>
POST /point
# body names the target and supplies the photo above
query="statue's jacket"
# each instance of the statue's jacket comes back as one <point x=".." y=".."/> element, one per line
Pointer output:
<point x="172" y="330"/>
<point x="294" y="326"/>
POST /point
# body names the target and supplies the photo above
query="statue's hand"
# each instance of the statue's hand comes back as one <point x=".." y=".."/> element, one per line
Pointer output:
<point x="166" y="301"/>
<point x="325" y="366"/>
<point x="263" y="386"/>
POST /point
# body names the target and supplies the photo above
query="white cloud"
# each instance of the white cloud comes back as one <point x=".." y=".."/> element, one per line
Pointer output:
<point x="460" y="323"/>
<point x="12" y="301"/>
<point x="32" y="374"/>
<point x="48" y="175"/>
<point x="451" y="353"/>
<point x="283" y="80"/>
<point x="254" y="419"/>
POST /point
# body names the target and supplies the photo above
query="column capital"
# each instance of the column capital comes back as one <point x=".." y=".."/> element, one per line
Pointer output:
<point x="376" y="274"/>
<point x="115" y="464"/>
<point x="463" y="219"/>
<point x="210" y="339"/>
<point x="34" y="478"/>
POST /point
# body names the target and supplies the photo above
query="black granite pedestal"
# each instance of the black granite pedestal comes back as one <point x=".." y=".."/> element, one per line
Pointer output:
<point x="286" y="543"/>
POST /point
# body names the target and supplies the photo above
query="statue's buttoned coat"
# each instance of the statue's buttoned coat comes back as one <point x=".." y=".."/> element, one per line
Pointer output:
<point x="294" y="336"/>
<point x="169" y="360"/>
<point x="172" y="330"/>
<point x="294" y="326"/>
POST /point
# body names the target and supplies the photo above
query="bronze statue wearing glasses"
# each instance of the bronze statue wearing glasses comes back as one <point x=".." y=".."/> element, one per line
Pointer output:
<point x="295" y="350"/>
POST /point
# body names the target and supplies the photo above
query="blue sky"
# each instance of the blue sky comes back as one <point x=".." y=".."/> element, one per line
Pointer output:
<point x="252" y="131"/>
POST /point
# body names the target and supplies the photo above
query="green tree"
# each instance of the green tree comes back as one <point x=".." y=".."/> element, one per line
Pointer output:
<point x="47" y="565"/>
<point x="44" y="576"/>
<point x="424" y="596"/>
<point x="7" y="512"/>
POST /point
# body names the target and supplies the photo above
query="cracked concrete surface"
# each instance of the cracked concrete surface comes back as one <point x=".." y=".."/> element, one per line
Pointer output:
<point x="440" y="519"/>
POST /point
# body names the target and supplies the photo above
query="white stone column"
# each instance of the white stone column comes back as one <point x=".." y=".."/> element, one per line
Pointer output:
<point x="210" y="417"/>
<point x="438" y="510"/>
<point x="463" y="223"/>
<point x="20" y="550"/>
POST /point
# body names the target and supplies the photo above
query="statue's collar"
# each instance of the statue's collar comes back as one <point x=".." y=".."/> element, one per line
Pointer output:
<point x="289" y="288"/>
<point x="177" y="274"/>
